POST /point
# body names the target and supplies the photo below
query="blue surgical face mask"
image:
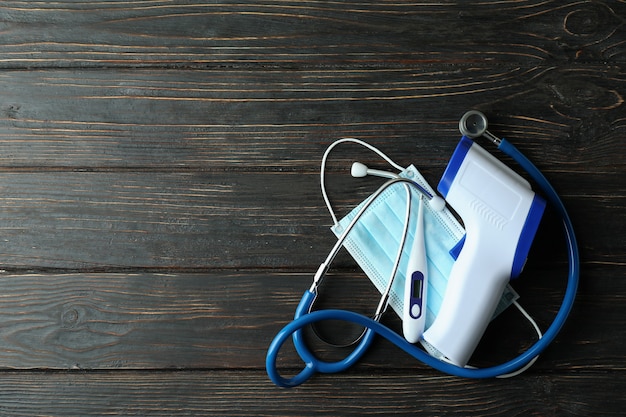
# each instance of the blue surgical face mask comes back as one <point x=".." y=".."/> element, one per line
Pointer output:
<point x="375" y="239"/>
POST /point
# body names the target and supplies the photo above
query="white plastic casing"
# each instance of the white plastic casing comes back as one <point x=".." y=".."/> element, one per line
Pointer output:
<point x="500" y="213"/>
<point x="416" y="284"/>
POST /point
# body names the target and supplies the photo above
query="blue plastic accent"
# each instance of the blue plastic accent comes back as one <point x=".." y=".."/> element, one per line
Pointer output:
<point x="456" y="250"/>
<point x="453" y="166"/>
<point x="528" y="234"/>
<point x="418" y="298"/>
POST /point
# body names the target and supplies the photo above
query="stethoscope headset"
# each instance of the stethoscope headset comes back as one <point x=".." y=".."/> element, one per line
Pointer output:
<point x="473" y="124"/>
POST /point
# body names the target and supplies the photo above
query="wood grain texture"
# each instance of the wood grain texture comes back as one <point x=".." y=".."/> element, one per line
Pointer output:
<point x="160" y="213"/>
<point x="248" y="393"/>
<point x="283" y="120"/>
<point x="195" y="220"/>
<point x="307" y="33"/>
<point x="133" y="321"/>
<point x="226" y="321"/>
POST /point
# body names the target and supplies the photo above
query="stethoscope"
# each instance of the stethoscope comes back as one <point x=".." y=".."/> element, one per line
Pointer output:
<point x="473" y="124"/>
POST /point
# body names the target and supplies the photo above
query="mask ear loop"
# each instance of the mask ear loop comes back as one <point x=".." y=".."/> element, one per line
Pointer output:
<point x="323" y="167"/>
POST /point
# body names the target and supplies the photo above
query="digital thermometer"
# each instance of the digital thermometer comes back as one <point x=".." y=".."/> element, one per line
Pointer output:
<point x="414" y="309"/>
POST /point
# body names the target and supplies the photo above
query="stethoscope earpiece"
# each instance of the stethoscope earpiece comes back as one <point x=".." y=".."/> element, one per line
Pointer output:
<point x="437" y="203"/>
<point x="360" y="170"/>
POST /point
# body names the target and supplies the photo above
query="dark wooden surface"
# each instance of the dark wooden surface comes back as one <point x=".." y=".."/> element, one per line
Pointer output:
<point x="160" y="212"/>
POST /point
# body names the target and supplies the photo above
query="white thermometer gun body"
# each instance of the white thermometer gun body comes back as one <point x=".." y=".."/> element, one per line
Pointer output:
<point x="501" y="214"/>
<point x="414" y="308"/>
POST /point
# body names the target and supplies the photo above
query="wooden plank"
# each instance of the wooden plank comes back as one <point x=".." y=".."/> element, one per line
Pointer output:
<point x="155" y="220"/>
<point x="251" y="394"/>
<point x="133" y="321"/>
<point x="566" y="118"/>
<point x="294" y="33"/>
<point x="223" y="320"/>
<point x="200" y="220"/>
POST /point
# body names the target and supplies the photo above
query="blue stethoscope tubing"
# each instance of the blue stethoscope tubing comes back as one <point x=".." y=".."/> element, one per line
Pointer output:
<point x="303" y="317"/>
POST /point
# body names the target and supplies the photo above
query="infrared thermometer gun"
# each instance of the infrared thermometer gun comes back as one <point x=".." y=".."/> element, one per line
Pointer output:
<point x="501" y="215"/>
<point x="414" y="308"/>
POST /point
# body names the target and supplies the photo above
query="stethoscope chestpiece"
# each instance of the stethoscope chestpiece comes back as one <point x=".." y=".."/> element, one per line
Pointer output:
<point x="473" y="124"/>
